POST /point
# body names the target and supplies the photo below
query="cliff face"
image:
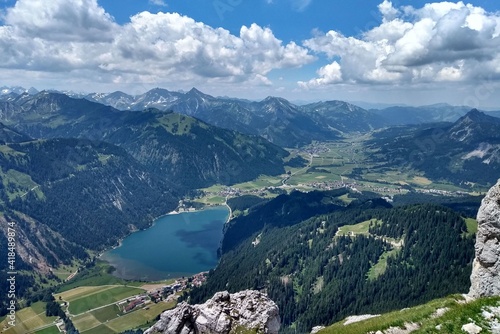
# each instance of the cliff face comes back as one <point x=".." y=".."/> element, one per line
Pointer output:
<point x="485" y="277"/>
<point x="224" y="313"/>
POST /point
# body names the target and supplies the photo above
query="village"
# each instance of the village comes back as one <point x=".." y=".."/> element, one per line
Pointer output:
<point x="159" y="292"/>
<point x="354" y="185"/>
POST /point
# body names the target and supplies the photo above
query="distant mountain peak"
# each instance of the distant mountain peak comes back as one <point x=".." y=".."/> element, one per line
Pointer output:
<point x="157" y="90"/>
<point x="32" y="91"/>
<point x="49" y="94"/>
<point x="118" y="93"/>
<point x="277" y="105"/>
<point x="17" y="89"/>
<point x="277" y="101"/>
<point x="274" y="98"/>
<point x="195" y="92"/>
<point x="336" y="105"/>
<point x="475" y="112"/>
<point x="475" y="126"/>
<point x="477" y="116"/>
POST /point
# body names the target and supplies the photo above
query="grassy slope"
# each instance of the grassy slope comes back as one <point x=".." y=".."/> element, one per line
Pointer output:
<point x="459" y="314"/>
<point x="362" y="228"/>
<point x="471" y="225"/>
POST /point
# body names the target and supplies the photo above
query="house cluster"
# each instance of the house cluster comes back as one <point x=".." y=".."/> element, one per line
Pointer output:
<point x="131" y="304"/>
<point x="379" y="189"/>
<point x="170" y="291"/>
<point x="441" y="192"/>
<point x="316" y="149"/>
<point x="199" y="279"/>
<point x="234" y="192"/>
<point x="330" y="185"/>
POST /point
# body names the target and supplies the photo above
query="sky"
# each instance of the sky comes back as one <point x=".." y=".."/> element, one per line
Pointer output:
<point x="397" y="52"/>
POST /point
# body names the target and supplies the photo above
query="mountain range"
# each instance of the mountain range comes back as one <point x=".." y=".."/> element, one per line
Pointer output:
<point x="275" y="119"/>
<point x="185" y="150"/>
<point x="77" y="174"/>
<point x="300" y="124"/>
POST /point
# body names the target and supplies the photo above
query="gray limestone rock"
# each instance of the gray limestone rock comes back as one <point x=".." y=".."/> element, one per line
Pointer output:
<point x="224" y="313"/>
<point x="485" y="279"/>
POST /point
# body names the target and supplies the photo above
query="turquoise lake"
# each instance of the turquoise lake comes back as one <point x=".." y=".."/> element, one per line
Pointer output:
<point x="176" y="245"/>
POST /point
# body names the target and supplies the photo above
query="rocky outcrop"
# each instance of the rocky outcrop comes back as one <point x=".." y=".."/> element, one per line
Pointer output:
<point x="485" y="279"/>
<point x="224" y="313"/>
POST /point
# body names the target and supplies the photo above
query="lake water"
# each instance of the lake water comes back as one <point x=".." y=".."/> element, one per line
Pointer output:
<point x="176" y="245"/>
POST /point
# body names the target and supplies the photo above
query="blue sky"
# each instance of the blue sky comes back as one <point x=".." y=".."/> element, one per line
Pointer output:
<point x="401" y="51"/>
<point x="290" y="20"/>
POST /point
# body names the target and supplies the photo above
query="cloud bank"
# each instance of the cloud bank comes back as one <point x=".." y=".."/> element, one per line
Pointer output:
<point x="440" y="42"/>
<point x="78" y="38"/>
<point x="78" y="45"/>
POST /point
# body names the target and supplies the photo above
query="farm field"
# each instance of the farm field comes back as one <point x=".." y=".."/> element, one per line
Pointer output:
<point x="30" y="319"/>
<point x="48" y="330"/>
<point x="105" y="321"/>
<point x="101" y="298"/>
<point x="94" y="310"/>
<point x="85" y="321"/>
<point x="90" y="320"/>
<point x="81" y="292"/>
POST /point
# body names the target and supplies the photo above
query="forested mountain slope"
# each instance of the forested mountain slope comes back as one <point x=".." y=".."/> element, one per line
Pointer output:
<point x="66" y="196"/>
<point x="467" y="151"/>
<point x="353" y="260"/>
<point x="9" y="135"/>
<point x="185" y="150"/>
<point x="92" y="193"/>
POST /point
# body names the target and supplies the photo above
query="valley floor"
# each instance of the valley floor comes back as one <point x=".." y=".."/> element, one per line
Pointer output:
<point x="340" y="164"/>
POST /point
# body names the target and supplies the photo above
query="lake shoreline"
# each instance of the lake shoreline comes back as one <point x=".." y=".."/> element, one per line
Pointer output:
<point x="195" y="232"/>
<point x="174" y="212"/>
<point x="191" y="210"/>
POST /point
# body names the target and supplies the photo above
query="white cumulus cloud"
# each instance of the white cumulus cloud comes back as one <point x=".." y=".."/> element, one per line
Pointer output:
<point x="60" y="20"/>
<point x="444" y="41"/>
<point x="329" y="74"/>
<point x="79" y="38"/>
